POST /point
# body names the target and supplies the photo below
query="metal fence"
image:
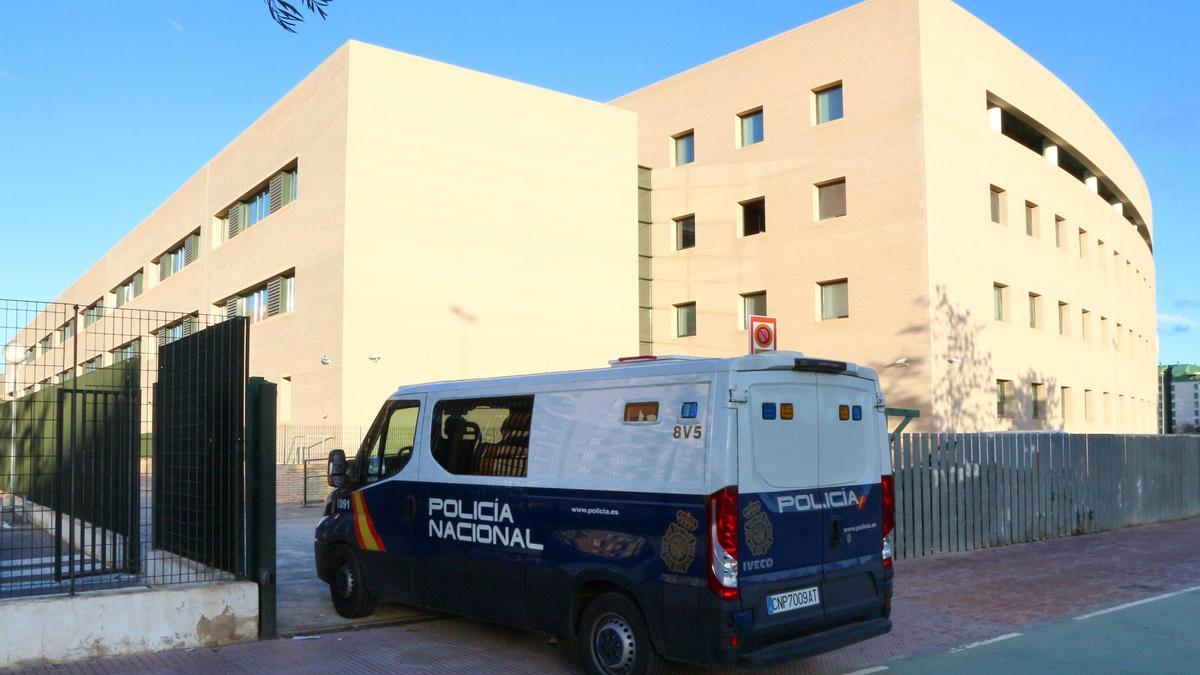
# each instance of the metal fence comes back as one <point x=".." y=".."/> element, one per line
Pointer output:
<point x="120" y="448"/>
<point x="960" y="492"/>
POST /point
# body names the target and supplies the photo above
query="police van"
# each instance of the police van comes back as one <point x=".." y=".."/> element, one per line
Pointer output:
<point x="701" y="510"/>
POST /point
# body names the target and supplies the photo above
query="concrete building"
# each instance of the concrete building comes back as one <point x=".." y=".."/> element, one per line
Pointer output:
<point x="896" y="182"/>
<point x="1185" y="387"/>
<point x="394" y="219"/>
<point x="903" y="187"/>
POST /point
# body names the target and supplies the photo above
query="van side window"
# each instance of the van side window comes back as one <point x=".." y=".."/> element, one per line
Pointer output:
<point x="392" y="445"/>
<point x="643" y="411"/>
<point x="483" y="436"/>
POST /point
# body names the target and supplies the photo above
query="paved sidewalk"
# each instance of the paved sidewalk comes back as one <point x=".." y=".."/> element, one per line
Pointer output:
<point x="940" y="603"/>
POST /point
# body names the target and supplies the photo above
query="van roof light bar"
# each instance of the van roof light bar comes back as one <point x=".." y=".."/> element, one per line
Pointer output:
<point x="820" y="365"/>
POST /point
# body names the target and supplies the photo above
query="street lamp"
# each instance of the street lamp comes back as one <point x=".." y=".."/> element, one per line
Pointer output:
<point x="14" y="354"/>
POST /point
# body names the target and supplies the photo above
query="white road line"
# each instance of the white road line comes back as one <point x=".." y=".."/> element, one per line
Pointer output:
<point x="981" y="643"/>
<point x="1127" y="605"/>
<point x="865" y="671"/>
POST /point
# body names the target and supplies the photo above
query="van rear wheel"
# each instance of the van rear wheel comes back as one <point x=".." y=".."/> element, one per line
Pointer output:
<point x="346" y="587"/>
<point x="614" y="640"/>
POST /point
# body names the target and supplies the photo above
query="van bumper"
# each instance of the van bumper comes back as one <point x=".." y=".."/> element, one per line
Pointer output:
<point x="321" y="553"/>
<point x="815" y="643"/>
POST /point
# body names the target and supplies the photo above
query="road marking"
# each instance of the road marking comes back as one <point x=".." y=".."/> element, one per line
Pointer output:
<point x="1127" y="605"/>
<point x="981" y="643"/>
<point x="865" y="671"/>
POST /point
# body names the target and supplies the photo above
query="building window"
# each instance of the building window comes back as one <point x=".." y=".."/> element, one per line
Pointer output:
<point x="1104" y="331"/>
<point x="685" y="319"/>
<point x="829" y="103"/>
<point x="1083" y="244"/>
<point x="126" y="292"/>
<point x="831" y="199"/>
<point x="45" y="344"/>
<point x="1004" y="398"/>
<point x="750" y="126"/>
<point x="1064" y="318"/>
<point x="684" y="148"/>
<point x="93" y="364"/>
<point x="835" y="299"/>
<point x="1085" y="325"/>
<point x="179" y="257"/>
<point x="1035" y="311"/>
<point x="1031" y="220"/>
<point x="754" y="216"/>
<point x="1064" y="400"/>
<point x="998" y="200"/>
<point x="258" y="207"/>
<point x="93" y="313"/>
<point x="753" y="304"/>
<point x="282" y="189"/>
<point x="277" y="296"/>
<point x="127" y="351"/>
<point x="1060" y="232"/>
<point x="685" y="232"/>
<point x="1037" y="398"/>
<point x="66" y="331"/>
<point x="1000" y="302"/>
<point x="66" y="375"/>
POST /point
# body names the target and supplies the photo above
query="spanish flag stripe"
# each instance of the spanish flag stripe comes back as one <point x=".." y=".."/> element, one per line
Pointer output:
<point x="364" y="526"/>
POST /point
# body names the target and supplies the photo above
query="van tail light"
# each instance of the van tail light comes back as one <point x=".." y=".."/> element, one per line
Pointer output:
<point x="723" y="543"/>
<point x="889" y="518"/>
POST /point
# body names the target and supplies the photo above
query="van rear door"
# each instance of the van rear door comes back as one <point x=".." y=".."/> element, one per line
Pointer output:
<point x="849" y="470"/>
<point x="809" y="499"/>
<point x="781" y="547"/>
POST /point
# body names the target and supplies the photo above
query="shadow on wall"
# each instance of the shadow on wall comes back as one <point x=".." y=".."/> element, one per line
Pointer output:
<point x="965" y="397"/>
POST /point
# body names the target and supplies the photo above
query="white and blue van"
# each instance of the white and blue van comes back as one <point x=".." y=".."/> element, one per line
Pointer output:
<point x="701" y="510"/>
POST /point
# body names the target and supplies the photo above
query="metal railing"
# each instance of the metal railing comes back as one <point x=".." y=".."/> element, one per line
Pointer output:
<point x="959" y="492"/>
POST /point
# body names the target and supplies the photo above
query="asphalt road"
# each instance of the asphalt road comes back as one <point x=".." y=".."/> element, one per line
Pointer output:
<point x="1154" y="635"/>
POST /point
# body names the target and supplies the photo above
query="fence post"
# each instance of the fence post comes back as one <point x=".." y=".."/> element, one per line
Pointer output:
<point x="260" y="481"/>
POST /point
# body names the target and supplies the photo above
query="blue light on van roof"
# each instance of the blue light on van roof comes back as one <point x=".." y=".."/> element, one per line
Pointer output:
<point x="768" y="411"/>
<point x="856" y="413"/>
<point x="689" y="410"/>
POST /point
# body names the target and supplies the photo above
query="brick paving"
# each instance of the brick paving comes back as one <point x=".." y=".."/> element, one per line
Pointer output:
<point x="940" y="602"/>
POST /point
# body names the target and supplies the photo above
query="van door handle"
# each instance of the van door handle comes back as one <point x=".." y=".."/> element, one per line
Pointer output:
<point x="410" y="508"/>
<point x="835" y="532"/>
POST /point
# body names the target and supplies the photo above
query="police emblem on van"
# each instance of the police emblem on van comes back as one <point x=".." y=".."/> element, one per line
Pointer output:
<point x="759" y="532"/>
<point x="679" y="544"/>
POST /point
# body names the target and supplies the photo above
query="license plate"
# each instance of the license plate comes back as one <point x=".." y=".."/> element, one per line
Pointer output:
<point x="786" y="602"/>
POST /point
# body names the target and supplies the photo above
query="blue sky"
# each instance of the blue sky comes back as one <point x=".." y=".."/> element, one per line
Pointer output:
<point x="106" y="107"/>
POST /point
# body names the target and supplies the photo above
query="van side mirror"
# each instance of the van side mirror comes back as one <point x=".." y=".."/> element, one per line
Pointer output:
<point x="335" y="468"/>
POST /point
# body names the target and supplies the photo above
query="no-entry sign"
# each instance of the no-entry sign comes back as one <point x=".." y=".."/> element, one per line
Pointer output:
<point x="763" y="337"/>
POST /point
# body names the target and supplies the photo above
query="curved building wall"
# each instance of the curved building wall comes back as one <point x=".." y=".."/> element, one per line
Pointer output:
<point x="1108" y="367"/>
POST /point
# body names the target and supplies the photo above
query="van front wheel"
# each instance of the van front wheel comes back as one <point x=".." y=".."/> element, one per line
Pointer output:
<point x="346" y="587"/>
<point x="613" y="639"/>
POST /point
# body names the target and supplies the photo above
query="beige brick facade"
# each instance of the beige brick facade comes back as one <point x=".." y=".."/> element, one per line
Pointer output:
<point x="916" y="246"/>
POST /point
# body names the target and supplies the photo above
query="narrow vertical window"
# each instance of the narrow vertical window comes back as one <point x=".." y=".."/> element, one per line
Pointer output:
<point x="685" y="319"/>
<point x="829" y="103"/>
<point x="1083" y="240"/>
<point x="1037" y="398"/>
<point x="1060" y="232"/>
<point x="831" y="199"/>
<point x="754" y="216"/>
<point x="1085" y="325"/>
<point x="835" y="299"/>
<point x="1031" y="220"/>
<point x="1035" y="311"/>
<point x="684" y="146"/>
<point x="750" y="125"/>
<point x="685" y="232"/>
<point x="1064" y="403"/>
<point x="1004" y="397"/>
<point x="1000" y="302"/>
<point x="1064" y="318"/>
<point x="997" y="200"/>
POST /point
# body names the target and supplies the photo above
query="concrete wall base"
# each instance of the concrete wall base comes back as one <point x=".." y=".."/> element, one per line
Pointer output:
<point x="39" y="631"/>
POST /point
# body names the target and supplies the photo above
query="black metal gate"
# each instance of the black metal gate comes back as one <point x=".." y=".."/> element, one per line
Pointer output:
<point x="199" y="452"/>
<point x="96" y="494"/>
